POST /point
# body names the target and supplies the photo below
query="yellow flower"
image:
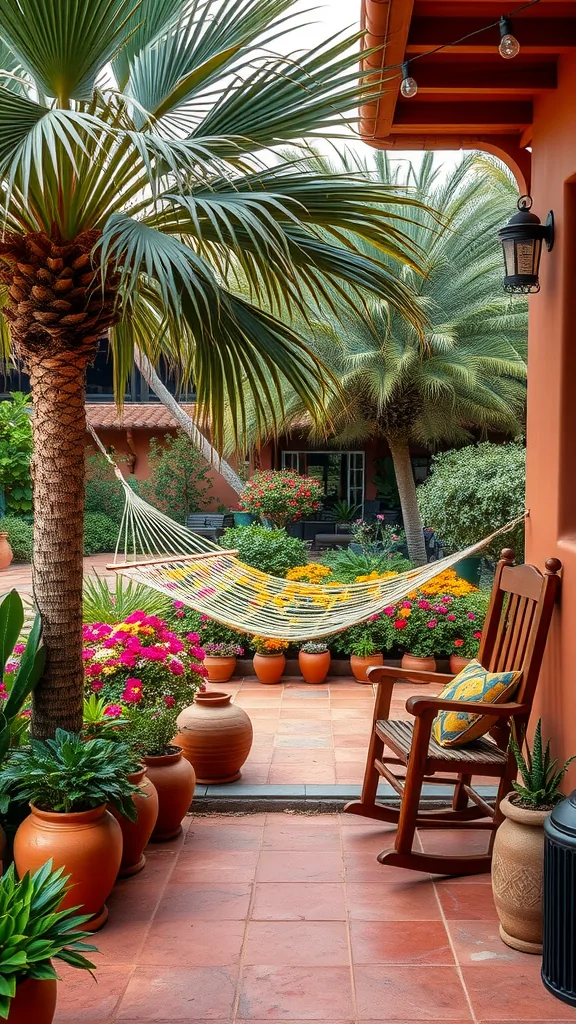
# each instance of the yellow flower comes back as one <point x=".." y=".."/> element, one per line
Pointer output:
<point x="311" y="573"/>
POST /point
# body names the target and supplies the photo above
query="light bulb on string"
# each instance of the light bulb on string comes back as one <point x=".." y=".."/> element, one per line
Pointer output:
<point x="409" y="85"/>
<point x="509" y="45"/>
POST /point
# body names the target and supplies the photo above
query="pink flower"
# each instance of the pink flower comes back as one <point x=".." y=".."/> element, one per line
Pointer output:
<point x="194" y="638"/>
<point x="132" y="694"/>
<point x="446" y="599"/>
<point x="112" y="711"/>
<point x="380" y="517"/>
<point x="178" y="604"/>
<point x="19" y="648"/>
<point x="169" y="701"/>
<point x="200" y="670"/>
<point x="451" y="618"/>
<point x="203" y="618"/>
<point x="26" y="713"/>
<point x="477" y="634"/>
<point x="176" y="667"/>
<point x="390" y="611"/>
<point x="91" y="670"/>
<point x="431" y="624"/>
<point x="87" y="654"/>
<point x="198" y="652"/>
<point x="136" y="616"/>
<point x="395" y="536"/>
<point x="179" y="615"/>
<point x="127" y="659"/>
<point x="406" y="604"/>
<point x="471" y="616"/>
<point x="11" y="666"/>
<point x="154" y="653"/>
<point x="425" y="605"/>
<point x="97" y="685"/>
<point x="373" y="618"/>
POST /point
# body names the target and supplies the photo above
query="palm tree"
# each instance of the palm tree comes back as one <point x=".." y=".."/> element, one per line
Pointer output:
<point x="470" y="377"/>
<point x="134" y="188"/>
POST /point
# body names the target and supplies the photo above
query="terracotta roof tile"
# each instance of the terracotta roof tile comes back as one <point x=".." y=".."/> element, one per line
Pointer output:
<point x="143" y="415"/>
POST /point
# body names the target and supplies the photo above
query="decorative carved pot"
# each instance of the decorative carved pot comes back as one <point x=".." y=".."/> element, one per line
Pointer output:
<point x="411" y="661"/>
<point x="269" y="667"/>
<point x="220" y="670"/>
<point x="174" y="780"/>
<point x="517" y="868"/>
<point x="35" y="1001"/>
<point x="215" y="736"/>
<point x="314" y="667"/>
<point x="135" y="834"/>
<point x="360" y="665"/>
<point x="457" y="663"/>
<point x="88" y="844"/>
<point x="6" y="554"/>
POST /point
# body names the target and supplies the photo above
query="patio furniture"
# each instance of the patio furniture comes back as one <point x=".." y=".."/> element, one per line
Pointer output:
<point x="514" y="638"/>
<point x="209" y="524"/>
<point x="332" y="540"/>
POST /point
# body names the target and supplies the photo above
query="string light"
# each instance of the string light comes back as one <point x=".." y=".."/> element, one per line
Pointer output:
<point x="409" y="85"/>
<point x="509" y="45"/>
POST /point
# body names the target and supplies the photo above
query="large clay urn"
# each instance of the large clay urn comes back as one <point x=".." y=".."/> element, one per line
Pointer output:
<point x="417" y="664"/>
<point x="458" y="663"/>
<point x="34" y="1002"/>
<point x="174" y="780"/>
<point x="517" y="869"/>
<point x="88" y="844"/>
<point x="220" y="670"/>
<point x="314" y="667"/>
<point x="136" y="834"/>
<point x="359" y="666"/>
<point x="269" y="667"/>
<point x="216" y="737"/>
<point x="6" y="554"/>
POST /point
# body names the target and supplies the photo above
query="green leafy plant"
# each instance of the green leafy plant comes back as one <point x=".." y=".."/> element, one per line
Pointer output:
<point x="179" y="480"/>
<point x="99" y="723"/>
<point x="364" y="639"/>
<point x="364" y="645"/>
<point x="347" y="565"/>
<point x="151" y="730"/>
<point x="100" y="604"/>
<point x="314" y="647"/>
<point x="69" y="774"/>
<point x="15" y="453"/>
<point x="20" y="537"/>
<point x="21" y="666"/>
<point x="34" y="931"/>
<point x="541" y="781"/>
<point x="100" y="533"/>
<point x="342" y="512"/>
<point x="281" y="496"/>
<point x="271" y="551"/>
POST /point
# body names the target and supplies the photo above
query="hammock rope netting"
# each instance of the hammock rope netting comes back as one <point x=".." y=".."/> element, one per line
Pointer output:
<point x="156" y="551"/>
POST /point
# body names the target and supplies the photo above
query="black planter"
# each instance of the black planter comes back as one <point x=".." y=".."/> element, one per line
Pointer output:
<point x="559" y="902"/>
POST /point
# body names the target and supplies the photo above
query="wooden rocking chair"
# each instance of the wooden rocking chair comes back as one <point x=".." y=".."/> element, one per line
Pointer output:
<point x="514" y="638"/>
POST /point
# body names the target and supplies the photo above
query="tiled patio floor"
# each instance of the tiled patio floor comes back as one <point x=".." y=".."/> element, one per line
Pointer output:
<point x="277" y="917"/>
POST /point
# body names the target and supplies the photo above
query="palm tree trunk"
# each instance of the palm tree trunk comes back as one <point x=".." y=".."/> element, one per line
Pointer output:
<point x="187" y="424"/>
<point x="58" y="425"/>
<point x="400" y="452"/>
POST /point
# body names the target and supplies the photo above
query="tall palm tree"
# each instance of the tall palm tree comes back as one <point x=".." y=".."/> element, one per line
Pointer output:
<point x="134" y="186"/>
<point x="470" y="376"/>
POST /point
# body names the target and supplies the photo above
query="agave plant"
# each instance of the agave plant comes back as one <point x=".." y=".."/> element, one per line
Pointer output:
<point x="17" y="685"/>
<point x="541" y="781"/>
<point x="34" y="932"/>
<point x="101" y="604"/>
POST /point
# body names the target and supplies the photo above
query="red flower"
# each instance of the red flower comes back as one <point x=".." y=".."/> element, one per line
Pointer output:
<point x="400" y="624"/>
<point x="458" y="643"/>
<point x="477" y="634"/>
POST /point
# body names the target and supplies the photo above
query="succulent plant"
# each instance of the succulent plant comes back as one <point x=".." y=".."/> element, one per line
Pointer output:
<point x="540" y="786"/>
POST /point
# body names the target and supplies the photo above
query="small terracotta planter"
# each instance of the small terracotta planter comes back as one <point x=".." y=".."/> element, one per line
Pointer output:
<point x="215" y="736"/>
<point x="269" y="667"/>
<point x="359" y="666"/>
<point x="457" y="663"/>
<point x="174" y="779"/>
<point x="314" y="667"/>
<point x="88" y="844"/>
<point x="6" y="554"/>
<point x="136" y="834"/>
<point x="517" y="869"/>
<point x="34" y="1001"/>
<point x="220" y="670"/>
<point x="411" y="661"/>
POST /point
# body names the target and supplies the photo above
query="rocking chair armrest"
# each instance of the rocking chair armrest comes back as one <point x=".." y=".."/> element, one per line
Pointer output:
<point x="383" y="673"/>
<point x="423" y="705"/>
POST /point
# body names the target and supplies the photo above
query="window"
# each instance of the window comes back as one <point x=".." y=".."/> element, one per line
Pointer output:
<point x="340" y="473"/>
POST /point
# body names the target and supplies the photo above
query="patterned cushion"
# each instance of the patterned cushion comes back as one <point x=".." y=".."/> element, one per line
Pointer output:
<point x="455" y="728"/>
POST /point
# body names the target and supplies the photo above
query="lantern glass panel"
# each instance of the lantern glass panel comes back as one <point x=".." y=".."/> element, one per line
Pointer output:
<point x="509" y="256"/>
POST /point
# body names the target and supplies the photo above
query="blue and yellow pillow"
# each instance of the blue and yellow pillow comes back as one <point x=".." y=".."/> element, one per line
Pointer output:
<point x="455" y="728"/>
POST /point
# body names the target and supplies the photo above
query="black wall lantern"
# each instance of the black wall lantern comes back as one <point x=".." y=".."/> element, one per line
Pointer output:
<point x="522" y="244"/>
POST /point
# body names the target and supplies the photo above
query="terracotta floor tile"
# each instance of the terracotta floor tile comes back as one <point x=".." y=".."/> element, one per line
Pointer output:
<point x="194" y="943"/>
<point x="347" y="754"/>
<point x="275" y="866"/>
<point x="297" y="943"/>
<point x="303" y="742"/>
<point x="120" y="941"/>
<point x="241" y="837"/>
<point x="478" y="942"/>
<point x="285" y="835"/>
<point x="216" y="866"/>
<point x="362" y="866"/>
<point x="322" y="714"/>
<point x="400" y="942"/>
<point x="256" y="774"/>
<point x="179" y="994"/>
<point x="204" y="902"/>
<point x="350" y="774"/>
<point x="300" y="756"/>
<point x="455" y="840"/>
<point x="98" y="999"/>
<point x="295" y="994"/>
<point x="345" y="714"/>
<point x="304" y="901"/>
<point x="410" y="994"/>
<point x="374" y="901"/>
<point x="501" y="993"/>
<point x="303" y="726"/>
<point x="472" y="902"/>
<point x="312" y="774"/>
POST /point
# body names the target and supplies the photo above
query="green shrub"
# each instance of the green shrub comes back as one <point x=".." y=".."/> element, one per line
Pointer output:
<point x="20" y="535"/>
<point x="347" y="565"/>
<point x="15" y="453"/>
<point x="271" y="551"/>
<point x="179" y="476"/>
<point x="100" y="533"/>
<point x="472" y="492"/>
<point x="104" y="492"/>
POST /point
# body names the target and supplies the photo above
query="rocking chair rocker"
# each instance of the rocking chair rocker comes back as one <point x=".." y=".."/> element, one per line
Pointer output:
<point x="514" y="638"/>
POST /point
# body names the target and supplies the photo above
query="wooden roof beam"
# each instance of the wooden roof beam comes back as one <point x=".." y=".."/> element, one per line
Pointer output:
<point x="535" y="35"/>
<point x="468" y="118"/>
<point x="442" y="76"/>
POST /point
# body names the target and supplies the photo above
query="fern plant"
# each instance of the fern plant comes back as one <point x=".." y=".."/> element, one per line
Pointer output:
<point x="100" y="604"/>
<point x="541" y="781"/>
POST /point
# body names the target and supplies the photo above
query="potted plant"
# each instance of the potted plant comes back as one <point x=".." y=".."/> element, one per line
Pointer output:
<point x="269" y="660"/>
<point x="364" y="655"/>
<point x="69" y="783"/>
<point x="6" y="554"/>
<point x="37" y="927"/>
<point x="152" y="731"/>
<point x="281" y="496"/>
<point x="314" y="661"/>
<point x="519" y="846"/>
<point x="215" y="736"/>
<point x="220" y="660"/>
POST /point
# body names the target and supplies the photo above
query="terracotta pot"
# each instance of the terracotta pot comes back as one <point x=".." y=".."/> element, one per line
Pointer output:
<point x="135" y="834"/>
<point x="517" y="868"/>
<point x="220" y="670"/>
<point x="269" y="667"/>
<point x="457" y="663"/>
<point x="412" y="661"/>
<point x="6" y="554"/>
<point x="34" y="1001"/>
<point x="314" y="667"/>
<point x="216" y="737"/>
<point x="88" y="844"/>
<point x="359" y="665"/>
<point x="175" y="781"/>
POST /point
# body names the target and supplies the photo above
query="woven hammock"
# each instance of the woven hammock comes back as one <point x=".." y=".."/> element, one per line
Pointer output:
<point x="214" y="582"/>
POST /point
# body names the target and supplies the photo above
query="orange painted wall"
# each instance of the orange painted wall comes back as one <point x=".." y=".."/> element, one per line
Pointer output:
<point x="551" y="432"/>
